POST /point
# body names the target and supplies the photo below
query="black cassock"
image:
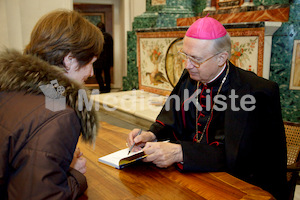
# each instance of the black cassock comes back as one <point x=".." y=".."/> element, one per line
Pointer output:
<point x="243" y="143"/>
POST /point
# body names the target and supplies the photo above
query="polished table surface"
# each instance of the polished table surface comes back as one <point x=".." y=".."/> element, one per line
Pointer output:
<point x="145" y="181"/>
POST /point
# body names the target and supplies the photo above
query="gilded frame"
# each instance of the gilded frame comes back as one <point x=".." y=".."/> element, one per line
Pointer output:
<point x="255" y="62"/>
<point x="295" y="69"/>
<point x="94" y="18"/>
<point x="152" y="49"/>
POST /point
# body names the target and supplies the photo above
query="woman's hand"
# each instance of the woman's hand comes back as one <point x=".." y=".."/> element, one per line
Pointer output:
<point x="78" y="162"/>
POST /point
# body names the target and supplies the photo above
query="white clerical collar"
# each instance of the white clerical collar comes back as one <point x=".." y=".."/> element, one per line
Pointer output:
<point x="223" y="68"/>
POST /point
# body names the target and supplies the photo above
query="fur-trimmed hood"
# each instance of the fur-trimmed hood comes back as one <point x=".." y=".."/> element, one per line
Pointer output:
<point x="20" y="72"/>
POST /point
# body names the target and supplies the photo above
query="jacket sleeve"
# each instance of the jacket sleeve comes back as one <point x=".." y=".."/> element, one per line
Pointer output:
<point x="42" y="167"/>
<point x="77" y="182"/>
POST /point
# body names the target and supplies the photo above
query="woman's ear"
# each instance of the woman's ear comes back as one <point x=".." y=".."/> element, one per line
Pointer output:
<point x="69" y="62"/>
<point x="222" y="58"/>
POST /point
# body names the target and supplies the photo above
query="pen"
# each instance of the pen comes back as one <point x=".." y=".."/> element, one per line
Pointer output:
<point x="134" y="142"/>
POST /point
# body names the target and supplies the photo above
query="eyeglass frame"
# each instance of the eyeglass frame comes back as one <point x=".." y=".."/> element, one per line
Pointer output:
<point x="191" y="59"/>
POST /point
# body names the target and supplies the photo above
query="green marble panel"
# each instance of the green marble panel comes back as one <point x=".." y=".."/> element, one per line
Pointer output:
<point x="146" y="20"/>
<point x="173" y="10"/>
<point x="183" y="3"/>
<point x="131" y="81"/>
<point x="295" y="1"/>
<point x="280" y="69"/>
<point x="170" y="19"/>
<point x="198" y="6"/>
<point x="294" y="12"/>
<point x="150" y="8"/>
<point x="269" y="2"/>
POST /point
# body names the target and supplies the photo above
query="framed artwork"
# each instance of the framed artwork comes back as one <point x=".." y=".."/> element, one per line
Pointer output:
<point x="155" y="60"/>
<point x="247" y="48"/>
<point x="160" y="67"/>
<point x="174" y="64"/>
<point x="295" y="70"/>
<point x="95" y="18"/>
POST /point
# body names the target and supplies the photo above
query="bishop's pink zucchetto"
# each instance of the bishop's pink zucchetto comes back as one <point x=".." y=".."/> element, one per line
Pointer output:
<point x="206" y="28"/>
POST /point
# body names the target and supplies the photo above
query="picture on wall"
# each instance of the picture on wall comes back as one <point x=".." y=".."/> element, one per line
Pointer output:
<point x="160" y="67"/>
<point x="153" y="54"/>
<point x="94" y="18"/>
<point x="244" y="52"/>
<point x="156" y="61"/>
<point x="295" y="70"/>
<point x="174" y="63"/>
<point x="247" y="46"/>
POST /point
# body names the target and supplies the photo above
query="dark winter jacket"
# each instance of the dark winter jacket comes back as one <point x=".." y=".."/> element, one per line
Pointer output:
<point x="36" y="141"/>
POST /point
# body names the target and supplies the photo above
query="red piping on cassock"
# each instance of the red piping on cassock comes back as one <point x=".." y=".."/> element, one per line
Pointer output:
<point x="160" y="122"/>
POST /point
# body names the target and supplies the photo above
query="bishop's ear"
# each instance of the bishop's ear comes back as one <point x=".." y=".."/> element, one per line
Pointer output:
<point x="222" y="58"/>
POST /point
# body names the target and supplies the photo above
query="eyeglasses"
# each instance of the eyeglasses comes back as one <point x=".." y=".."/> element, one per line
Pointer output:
<point x="195" y="62"/>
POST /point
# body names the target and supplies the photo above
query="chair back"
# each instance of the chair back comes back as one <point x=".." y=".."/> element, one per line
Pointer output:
<point x="292" y="132"/>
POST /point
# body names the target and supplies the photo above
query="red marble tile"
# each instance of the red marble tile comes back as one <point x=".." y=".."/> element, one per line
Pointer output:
<point x="186" y="21"/>
<point x="277" y="15"/>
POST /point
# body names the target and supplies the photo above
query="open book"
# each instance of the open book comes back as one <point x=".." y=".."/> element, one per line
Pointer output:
<point x="121" y="158"/>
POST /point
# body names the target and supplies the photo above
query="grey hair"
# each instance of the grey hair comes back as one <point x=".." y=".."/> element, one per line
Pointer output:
<point x="223" y="44"/>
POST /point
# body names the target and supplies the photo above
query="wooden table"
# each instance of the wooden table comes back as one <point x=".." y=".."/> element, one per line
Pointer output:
<point x="145" y="181"/>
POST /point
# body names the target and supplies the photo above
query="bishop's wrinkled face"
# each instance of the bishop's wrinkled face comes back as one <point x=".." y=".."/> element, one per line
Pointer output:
<point x="201" y="51"/>
<point x="74" y="72"/>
